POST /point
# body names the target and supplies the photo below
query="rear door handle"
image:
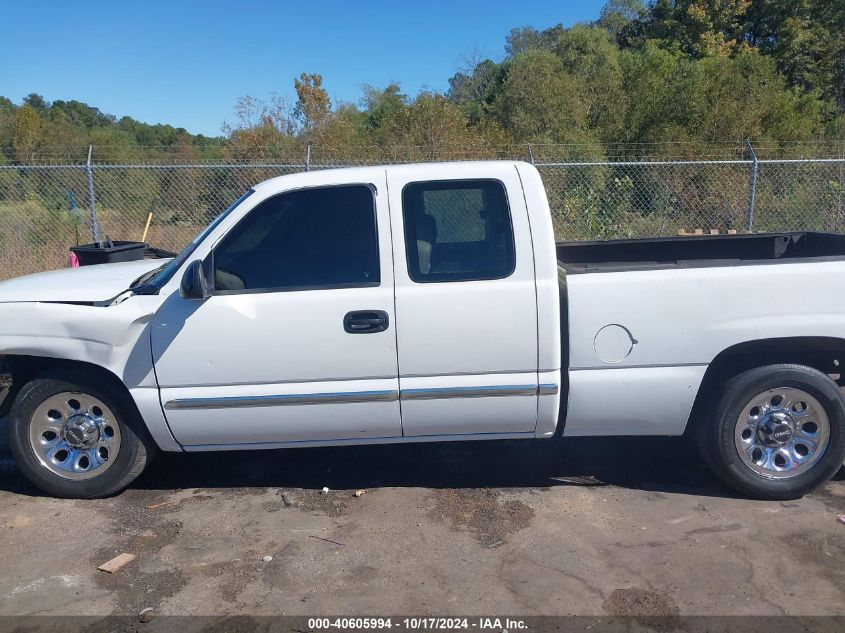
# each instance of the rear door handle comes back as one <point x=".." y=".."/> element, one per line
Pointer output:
<point x="366" y="321"/>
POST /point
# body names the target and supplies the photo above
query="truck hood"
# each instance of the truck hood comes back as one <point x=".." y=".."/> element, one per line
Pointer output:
<point x="77" y="285"/>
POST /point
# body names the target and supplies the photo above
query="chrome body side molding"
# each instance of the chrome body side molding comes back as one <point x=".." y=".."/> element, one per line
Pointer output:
<point x="237" y="402"/>
<point x="443" y="393"/>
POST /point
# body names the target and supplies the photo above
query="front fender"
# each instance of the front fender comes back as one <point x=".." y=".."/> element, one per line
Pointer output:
<point x="115" y="338"/>
<point x="110" y="337"/>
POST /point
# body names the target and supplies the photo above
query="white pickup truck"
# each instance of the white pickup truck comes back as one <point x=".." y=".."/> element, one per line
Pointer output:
<point x="422" y="303"/>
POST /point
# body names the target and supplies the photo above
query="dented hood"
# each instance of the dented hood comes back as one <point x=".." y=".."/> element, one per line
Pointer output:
<point x="72" y="285"/>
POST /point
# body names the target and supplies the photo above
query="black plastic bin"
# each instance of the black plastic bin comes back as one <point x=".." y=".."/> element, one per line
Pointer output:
<point x="89" y="254"/>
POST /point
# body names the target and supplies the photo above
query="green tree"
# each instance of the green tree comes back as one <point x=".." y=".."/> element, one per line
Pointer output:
<point x="7" y="128"/>
<point x="339" y="132"/>
<point x="313" y="104"/>
<point x="663" y="94"/>
<point x="62" y="139"/>
<point x="590" y="54"/>
<point x="806" y="38"/>
<point x="37" y="103"/>
<point x="699" y="27"/>
<point x="745" y="97"/>
<point x="474" y="88"/>
<point x="434" y="128"/>
<point x="527" y="38"/>
<point x="617" y="15"/>
<point x="27" y="134"/>
<point x="112" y="145"/>
<point x="382" y="103"/>
<point x="82" y="114"/>
<point x="540" y="101"/>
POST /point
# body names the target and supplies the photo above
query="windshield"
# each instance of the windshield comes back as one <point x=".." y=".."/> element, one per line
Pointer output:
<point x="166" y="272"/>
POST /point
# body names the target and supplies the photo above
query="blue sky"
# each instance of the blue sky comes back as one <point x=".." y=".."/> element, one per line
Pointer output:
<point x="186" y="63"/>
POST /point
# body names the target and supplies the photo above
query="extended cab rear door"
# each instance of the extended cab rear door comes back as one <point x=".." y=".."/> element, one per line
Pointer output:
<point x="466" y="307"/>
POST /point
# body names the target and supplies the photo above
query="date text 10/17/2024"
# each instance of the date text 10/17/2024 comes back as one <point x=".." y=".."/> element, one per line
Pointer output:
<point x="418" y="623"/>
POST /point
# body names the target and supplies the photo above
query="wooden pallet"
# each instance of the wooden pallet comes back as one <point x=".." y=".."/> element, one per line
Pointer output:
<point x="693" y="232"/>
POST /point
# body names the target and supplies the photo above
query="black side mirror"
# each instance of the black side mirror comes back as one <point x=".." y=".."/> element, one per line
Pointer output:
<point x="195" y="282"/>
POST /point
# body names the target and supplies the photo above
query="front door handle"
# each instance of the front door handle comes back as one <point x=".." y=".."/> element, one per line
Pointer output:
<point x="366" y="321"/>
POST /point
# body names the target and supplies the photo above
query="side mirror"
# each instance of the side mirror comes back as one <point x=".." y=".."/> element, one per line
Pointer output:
<point x="195" y="282"/>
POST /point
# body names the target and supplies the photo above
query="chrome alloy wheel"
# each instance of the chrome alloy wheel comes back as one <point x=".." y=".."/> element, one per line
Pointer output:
<point x="74" y="435"/>
<point x="782" y="433"/>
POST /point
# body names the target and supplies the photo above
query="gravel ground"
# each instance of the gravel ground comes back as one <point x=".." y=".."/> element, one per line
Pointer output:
<point x="611" y="526"/>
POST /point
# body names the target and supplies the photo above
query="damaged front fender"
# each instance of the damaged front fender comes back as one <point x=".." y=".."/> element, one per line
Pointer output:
<point x="115" y="338"/>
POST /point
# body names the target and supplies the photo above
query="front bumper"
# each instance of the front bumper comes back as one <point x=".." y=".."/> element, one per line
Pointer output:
<point x="5" y="385"/>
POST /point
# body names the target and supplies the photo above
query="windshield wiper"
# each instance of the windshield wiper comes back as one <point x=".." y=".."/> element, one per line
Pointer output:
<point x="143" y="279"/>
<point x="145" y="289"/>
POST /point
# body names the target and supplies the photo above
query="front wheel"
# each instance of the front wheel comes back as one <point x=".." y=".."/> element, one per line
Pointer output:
<point x="74" y="437"/>
<point x="778" y="432"/>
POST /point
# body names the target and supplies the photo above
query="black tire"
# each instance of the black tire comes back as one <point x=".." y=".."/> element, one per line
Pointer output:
<point x="716" y="431"/>
<point x="136" y="448"/>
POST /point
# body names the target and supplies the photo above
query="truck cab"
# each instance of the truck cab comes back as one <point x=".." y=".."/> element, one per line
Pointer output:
<point x="412" y="293"/>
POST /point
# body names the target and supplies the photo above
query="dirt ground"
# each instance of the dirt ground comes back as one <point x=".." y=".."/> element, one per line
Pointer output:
<point x="589" y="526"/>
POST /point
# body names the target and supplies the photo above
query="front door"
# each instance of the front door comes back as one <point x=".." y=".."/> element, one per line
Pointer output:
<point x="466" y="302"/>
<point x="298" y="340"/>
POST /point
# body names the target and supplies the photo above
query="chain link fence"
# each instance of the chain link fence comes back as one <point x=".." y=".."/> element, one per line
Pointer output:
<point x="46" y="209"/>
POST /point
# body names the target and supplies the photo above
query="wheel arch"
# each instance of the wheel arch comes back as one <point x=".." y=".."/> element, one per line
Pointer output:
<point x="24" y="368"/>
<point x="144" y="401"/>
<point x="824" y="353"/>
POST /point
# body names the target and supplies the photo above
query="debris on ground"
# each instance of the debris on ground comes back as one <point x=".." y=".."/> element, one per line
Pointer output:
<point x="359" y="493"/>
<point x="267" y="559"/>
<point x="325" y="490"/>
<point x="580" y="480"/>
<point x="286" y="498"/>
<point x="841" y="519"/>
<point x="327" y="540"/>
<point x="153" y="506"/>
<point x="497" y="543"/>
<point x="146" y="615"/>
<point x="117" y="563"/>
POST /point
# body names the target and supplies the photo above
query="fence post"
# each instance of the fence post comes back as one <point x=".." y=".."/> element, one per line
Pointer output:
<point x="530" y="154"/>
<point x="92" y="206"/>
<point x="308" y="158"/>
<point x="839" y="206"/>
<point x="752" y="190"/>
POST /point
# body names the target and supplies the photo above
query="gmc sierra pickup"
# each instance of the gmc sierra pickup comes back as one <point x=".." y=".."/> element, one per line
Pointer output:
<point x="422" y="303"/>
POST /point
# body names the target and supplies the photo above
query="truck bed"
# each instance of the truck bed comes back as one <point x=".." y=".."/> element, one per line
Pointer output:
<point x="699" y="251"/>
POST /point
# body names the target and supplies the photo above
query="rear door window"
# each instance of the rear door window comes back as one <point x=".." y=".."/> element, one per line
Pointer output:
<point x="457" y="230"/>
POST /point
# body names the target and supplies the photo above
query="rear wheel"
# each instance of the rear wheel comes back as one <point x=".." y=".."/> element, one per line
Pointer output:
<point x="777" y="432"/>
<point x="77" y="438"/>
